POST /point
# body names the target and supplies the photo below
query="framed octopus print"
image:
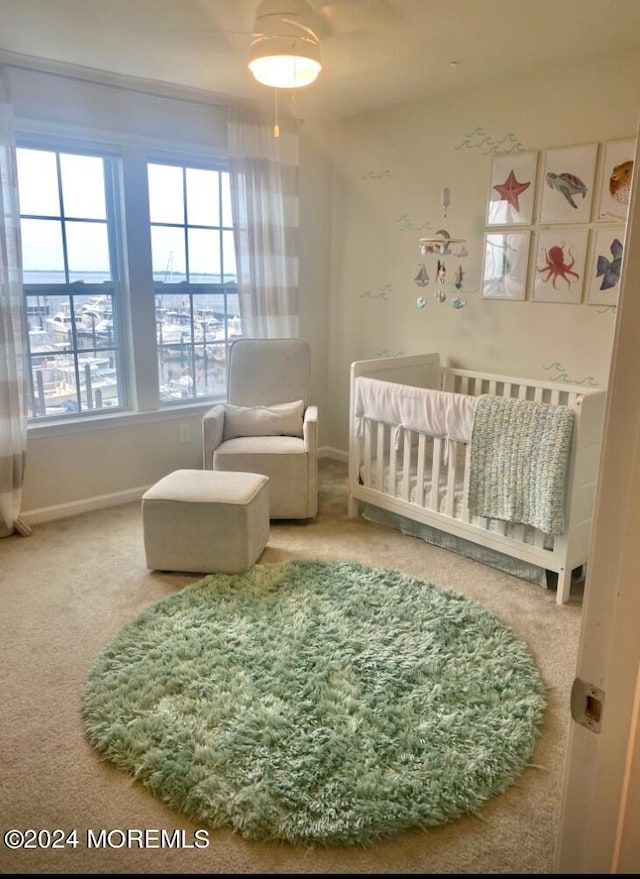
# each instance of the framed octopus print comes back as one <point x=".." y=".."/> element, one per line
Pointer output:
<point x="511" y="189"/>
<point x="603" y="282"/>
<point x="615" y="179"/>
<point x="560" y="264"/>
<point x="567" y="184"/>
<point x="506" y="259"/>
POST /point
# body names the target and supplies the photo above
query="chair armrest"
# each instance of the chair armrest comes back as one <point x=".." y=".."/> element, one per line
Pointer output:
<point x="212" y="430"/>
<point x="310" y="428"/>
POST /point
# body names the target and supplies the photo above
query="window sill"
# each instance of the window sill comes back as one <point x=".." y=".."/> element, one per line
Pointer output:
<point x="116" y="420"/>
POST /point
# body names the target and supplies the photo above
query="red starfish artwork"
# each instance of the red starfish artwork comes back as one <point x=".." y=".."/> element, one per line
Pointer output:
<point x="511" y="190"/>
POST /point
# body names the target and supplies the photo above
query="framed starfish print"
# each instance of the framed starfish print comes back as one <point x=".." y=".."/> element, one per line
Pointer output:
<point x="511" y="189"/>
<point x="567" y="182"/>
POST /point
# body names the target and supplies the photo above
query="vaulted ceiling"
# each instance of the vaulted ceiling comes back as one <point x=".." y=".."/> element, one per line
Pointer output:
<point x="376" y="53"/>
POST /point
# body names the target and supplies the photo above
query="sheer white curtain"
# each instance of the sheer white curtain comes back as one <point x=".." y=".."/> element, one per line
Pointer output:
<point x="13" y="346"/>
<point x="264" y="197"/>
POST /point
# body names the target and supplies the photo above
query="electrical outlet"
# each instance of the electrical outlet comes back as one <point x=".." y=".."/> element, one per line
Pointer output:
<point x="184" y="433"/>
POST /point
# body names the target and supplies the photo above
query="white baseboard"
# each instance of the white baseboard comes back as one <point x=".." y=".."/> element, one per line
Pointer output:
<point x="102" y="501"/>
<point x="334" y="454"/>
<point x="86" y="505"/>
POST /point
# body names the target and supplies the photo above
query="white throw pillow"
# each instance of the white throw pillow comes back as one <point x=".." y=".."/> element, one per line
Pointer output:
<point x="280" y="419"/>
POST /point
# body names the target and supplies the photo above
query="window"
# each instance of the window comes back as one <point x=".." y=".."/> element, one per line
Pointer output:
<point x="70" y="275"/>
<point x="80" y="294"/>
<point x="194" y="273"/>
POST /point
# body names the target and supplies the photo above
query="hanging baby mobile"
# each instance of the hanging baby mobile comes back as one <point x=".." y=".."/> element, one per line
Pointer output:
<point x="440" y="245"/>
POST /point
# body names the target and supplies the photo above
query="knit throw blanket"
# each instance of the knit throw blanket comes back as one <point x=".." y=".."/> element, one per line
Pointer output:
<point x="519" y="456"/>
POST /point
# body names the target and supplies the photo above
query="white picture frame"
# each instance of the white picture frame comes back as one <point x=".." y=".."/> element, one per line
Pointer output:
<point x="567" y="184"/>
<point x="505" y="266"/>
<point x="616" y="172"/>
<point x="558" y="274"/>
<point x="603" y="281"/>
<point x="512" y="189"/>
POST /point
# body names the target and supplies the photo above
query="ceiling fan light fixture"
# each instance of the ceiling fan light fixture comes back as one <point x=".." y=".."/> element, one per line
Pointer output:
<point x="285" y="49"/>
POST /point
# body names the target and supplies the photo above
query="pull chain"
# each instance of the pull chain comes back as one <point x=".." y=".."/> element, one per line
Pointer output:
<point x="276" y="127"/>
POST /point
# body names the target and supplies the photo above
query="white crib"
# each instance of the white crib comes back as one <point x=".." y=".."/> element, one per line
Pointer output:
<point x="426" y="479"/>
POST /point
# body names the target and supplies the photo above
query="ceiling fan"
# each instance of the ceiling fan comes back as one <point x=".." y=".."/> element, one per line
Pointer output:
<point x="331" y="18"/>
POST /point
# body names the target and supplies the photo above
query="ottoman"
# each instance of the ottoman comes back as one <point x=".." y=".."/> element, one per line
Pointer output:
<point x="205" y="521"/>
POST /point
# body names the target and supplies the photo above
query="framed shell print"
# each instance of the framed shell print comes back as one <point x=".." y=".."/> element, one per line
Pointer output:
<point x="560" y="263"/>
<point x="506" y="258"/>
<point x="511" y="189"/>
<point x="616" y="173"/>
<point x="567" y="184"/>
<point x="603" y="282"/>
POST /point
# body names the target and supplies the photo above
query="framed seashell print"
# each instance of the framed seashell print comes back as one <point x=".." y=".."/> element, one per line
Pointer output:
<point x="603" y="281"/>
<point x="616" y="173"/>
<point x="506" y="259"/>
<point x="567" y="184"/>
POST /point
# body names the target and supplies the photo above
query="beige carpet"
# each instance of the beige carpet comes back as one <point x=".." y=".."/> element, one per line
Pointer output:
<point x="71" y="586"/>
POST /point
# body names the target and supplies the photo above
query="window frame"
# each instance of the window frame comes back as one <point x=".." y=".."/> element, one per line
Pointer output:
<point x="132" y="270"/>
<point x="72" y="289"/>
<point x="228" y="290"/>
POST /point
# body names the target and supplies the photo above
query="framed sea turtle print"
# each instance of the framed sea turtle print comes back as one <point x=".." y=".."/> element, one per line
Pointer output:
<point x="603" y="282"/>
<point x="567" y="184"/>
<point x="511" y="189"/>
<point x="616" y="173"/>
<point x="560" y="265"/>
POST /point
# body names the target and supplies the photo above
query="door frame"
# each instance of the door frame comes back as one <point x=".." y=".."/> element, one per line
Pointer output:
<point x="601" y="792"/>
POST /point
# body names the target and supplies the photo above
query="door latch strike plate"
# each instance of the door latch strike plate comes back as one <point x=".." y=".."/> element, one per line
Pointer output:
<point x="587" y="705"/>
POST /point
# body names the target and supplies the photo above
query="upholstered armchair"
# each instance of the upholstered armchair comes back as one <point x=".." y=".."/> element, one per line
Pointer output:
<point x="267" y="425"/>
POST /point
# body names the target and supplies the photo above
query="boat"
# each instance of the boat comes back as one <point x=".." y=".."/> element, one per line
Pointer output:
<point x="60" y="325"/>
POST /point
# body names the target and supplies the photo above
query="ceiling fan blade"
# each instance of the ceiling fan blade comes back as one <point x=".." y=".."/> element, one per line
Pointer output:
<point x="339" y="17"/>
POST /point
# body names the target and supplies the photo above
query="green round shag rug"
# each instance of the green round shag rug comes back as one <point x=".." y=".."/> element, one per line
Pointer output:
<point x="317" y="702"/>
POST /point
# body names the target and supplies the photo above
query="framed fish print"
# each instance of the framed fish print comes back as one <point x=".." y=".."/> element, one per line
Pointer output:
<point x="567" y="184"/>
<point x="506" y="259"/>
<point x="616" y="172"/>
<point x="560" y="265"/>
<point x="603" y="282"/>
<point x="511" y="189"/>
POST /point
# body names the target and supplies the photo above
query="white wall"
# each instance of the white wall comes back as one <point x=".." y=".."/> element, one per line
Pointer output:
<point x="76" y="467"/>
<point x="390" y="169"/>
<point x="370" y="187"/>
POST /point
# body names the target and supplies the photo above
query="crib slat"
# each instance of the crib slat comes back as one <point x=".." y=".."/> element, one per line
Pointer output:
<point x="367" y="451"/>
<point x="464" y="512"/>
<point x="392" y="487"/>
<point x="406" y="465"/>
<point x="422" y="443"/>
<point x="435" y="474"/>
<point x="538" y="538"/>
<point x="499" y="526"/>
<point x="452" y="463"/>
<point x="380" y="455"/>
